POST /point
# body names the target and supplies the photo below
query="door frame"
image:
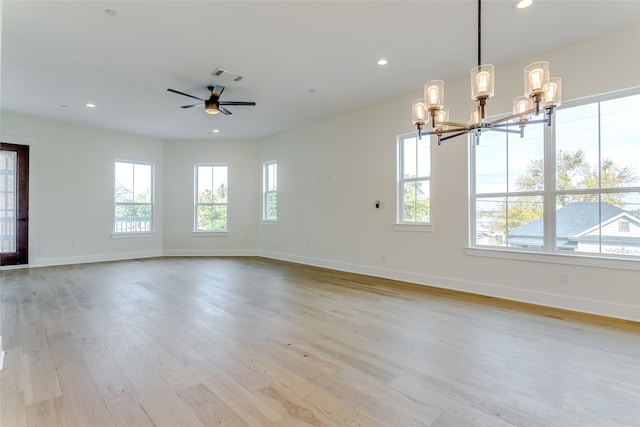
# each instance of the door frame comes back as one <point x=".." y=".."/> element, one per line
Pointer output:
<point x="31" y="144"/>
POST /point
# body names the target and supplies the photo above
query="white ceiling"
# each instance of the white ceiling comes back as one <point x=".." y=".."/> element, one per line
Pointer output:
<point x="302" y="60"/>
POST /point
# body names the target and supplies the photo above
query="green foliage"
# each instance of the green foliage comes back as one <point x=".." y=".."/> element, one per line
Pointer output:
<point x="572" y="172"/>
<point x="417" y="205"/>
<point x="271" y="208"/>
<point x="212" y="209"/>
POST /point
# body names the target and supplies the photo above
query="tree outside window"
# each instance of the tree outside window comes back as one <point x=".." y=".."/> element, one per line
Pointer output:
<point x="211" y="198"/>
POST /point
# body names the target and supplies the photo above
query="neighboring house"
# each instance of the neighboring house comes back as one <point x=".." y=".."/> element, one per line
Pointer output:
<point x="585" y="227"/>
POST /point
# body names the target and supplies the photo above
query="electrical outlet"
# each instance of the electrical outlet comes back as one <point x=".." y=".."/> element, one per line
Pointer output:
<point x="564" y="279"/>
<point x="74" y="243"/>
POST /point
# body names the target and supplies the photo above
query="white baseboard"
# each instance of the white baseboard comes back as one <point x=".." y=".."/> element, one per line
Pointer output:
<point x="209" y="252"/>
<point x="583" y="305"/>
<point x="83" y="259"/>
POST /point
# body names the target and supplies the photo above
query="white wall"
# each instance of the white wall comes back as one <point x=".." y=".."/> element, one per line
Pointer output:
<point x="71" y="190"/>
<point x="332" y="172"/>
<point x="244" y="194"/>
<point x="330" y="175"/>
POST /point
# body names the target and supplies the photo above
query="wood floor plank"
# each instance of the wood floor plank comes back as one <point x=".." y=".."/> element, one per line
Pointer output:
<point x="50" y="413"/>
<point x="126" y="409"/>
<point x="254" y="411"/>
<point x="160" y="402"/>
<point x="12" y="400"/>
<point x="81" y="399"/>
<point x="210" y="410"/>
<point x="194" y="342"/>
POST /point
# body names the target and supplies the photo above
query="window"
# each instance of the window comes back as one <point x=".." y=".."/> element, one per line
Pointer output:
<point x="270" y="191"/>
<point x="568" y="188"/>
<point x="414" y="179"/>
<point x="211" y="197"/>
<point x="133" y="197"/>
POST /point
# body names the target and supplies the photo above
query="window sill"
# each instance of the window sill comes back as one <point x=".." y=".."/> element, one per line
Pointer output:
<point x="555" y="258"/>
<point x="133" y="235"/>
<point x="269" y="222"/>
<point x="419" y="227"/>
<point x="210" y="233"/>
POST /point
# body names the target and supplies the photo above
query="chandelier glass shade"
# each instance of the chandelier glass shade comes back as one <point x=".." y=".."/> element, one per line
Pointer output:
<point x="542" y="94"/>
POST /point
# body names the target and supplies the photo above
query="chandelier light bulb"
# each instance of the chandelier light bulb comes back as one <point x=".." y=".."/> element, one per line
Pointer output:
<point x="475" y="117"/>
<point x="481" y="80"/>
<point x="434" y="94"/>
<point x="419" y="111"/>
<point x="522" y="106"/>
<point x="535" y="79"/>
<point x="536" y="76"/>
<point x="552" y="92"/>
<point x="441" y="117"/>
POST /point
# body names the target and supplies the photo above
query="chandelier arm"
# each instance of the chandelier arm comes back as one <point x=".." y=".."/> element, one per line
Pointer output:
<point x="443" y="131"/>
<point x="456" y="124"/>
<point x="441" y="139"/>
<point x="499" y="129"/>
<point x="513" y="116"/>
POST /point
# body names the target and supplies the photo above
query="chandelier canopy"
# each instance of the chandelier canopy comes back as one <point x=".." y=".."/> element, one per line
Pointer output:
<point x="542" y="94"/>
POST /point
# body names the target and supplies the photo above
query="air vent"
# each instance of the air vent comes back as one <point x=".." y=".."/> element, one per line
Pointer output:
<point x="227" y="75"/>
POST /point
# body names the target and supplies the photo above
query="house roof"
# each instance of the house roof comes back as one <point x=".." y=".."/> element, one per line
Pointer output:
<point x="571" y="220"/>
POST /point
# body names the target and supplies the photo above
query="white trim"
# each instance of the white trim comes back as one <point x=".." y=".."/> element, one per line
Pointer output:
<point x="133" y="235"/>
<point x="419" y="227"/>
<point x="209" y="252"/>
<point x="224" y="233"/>
<point x="601" y="308"/>
<point x="270" y="222"/>
<point x="84" y="259"/>
<point x="596" y="260"/>
<point x="33" y="199"/>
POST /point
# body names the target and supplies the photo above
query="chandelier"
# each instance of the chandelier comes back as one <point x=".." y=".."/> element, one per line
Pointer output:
<point x="541" y="96"/>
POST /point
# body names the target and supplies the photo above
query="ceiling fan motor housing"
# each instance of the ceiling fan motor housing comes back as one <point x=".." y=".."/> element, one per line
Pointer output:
<point x="211" y="107"/>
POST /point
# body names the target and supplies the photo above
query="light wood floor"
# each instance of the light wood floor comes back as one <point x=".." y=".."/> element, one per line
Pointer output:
<point x="251" y="342"/>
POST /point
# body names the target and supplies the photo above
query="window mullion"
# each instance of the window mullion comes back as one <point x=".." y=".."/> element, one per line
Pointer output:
<point x="549" y="195"/>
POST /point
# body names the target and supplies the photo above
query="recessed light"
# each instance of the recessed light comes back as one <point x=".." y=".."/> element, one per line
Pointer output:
<point x="110" y="12"/>
<point x="521" y="4"/>
<point x="216" y="131"/>
<point x="90" y="105"/>
<point x="382" y="61"/>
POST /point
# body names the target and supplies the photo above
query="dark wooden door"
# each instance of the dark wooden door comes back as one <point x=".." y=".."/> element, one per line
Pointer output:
<point x="14" y="204"/>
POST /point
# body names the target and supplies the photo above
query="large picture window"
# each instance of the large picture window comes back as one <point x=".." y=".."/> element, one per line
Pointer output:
<point x="414" y="180"/>
<point x="133" y="197"/>
<point x="573" y="187"/>
<point x="211" y="198"/>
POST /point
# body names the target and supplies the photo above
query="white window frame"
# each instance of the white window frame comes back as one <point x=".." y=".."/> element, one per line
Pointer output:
<point x="151" y="204"/>
<point x="196" y="204"/>
<point x="401" y="224"/>
<point x="550" y="253"/>
<point x="269" y="189"/>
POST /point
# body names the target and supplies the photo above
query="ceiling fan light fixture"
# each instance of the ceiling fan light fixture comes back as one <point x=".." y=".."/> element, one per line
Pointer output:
<point x="211" y="107"/>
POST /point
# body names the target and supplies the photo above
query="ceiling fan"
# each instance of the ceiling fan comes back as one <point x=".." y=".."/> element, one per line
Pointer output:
<point x="213" y="105"/>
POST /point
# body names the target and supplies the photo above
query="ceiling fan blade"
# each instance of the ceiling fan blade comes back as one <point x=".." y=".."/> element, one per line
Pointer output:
<point x="190" y="106"/>
<point x="185" y="94"/>
<point x="237" y="103"/>
<point x="224" y="110"/>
